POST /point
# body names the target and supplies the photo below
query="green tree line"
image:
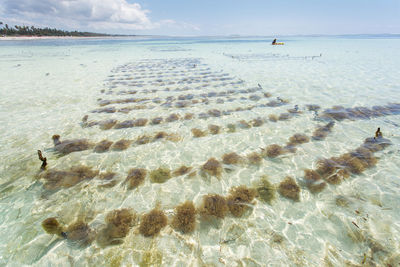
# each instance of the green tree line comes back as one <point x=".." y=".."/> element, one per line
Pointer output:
<point x="16" y="30"/>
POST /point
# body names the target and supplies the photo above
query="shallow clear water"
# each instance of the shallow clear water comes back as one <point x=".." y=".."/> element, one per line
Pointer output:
<point x="46" y="87"/>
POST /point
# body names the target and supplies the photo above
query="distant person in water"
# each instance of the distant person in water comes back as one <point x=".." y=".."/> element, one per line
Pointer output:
<point x="274" y="41"/>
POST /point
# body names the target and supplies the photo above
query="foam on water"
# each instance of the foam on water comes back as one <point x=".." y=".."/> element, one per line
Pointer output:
<point x="47" y="87"/>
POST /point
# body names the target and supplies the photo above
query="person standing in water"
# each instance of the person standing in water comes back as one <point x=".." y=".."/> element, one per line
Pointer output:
<point x="274" y="41"/>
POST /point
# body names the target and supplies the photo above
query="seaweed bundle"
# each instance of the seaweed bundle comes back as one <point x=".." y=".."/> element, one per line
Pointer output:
<point x="212" y="167"/>
<point x="214" y="205"/>
<point x="151" y="223"/>
<point x="119" y="223"/>
<point x="231" y="158"/>
<point x="239" y="199"/>
<point x="55" y="179"/>
<point x="69" y="146"/>
<point x="184" y="219"/>
<point x="288" y="188"/>
<point x="80" y="233"/>
<point x="160" y="175"/>
<point x="322" y="132"/>
<point x="265" y="190"/>
<point x="135" y="177"/>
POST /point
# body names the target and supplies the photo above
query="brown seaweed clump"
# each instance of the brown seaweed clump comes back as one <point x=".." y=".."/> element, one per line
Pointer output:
<point x="212" y="167"/>
<point x="107" y="124"/>
<point x="52" y="226"/>
<point x="198" y="133"/>
<point x="157" y="120"/>
<point x="140" y="122"/>
<point x="376" y="144"/>
<point x="80" y="233"/>
<point x="174" y="137"/>
<point x="326" y="167"/>
<point x="102" y="146"/>
<point x="181" y="171"/>
<point x="244" y="124"/>
<point x="298" y="139"/>
<point x="316" y="187"/>
<point x="337" y="177"/>
<point x="119" y="223"/>
<point x="274" y="150"/>
<point x="273" y="117"/>
<point x="64" y="179"/>
<point x="69" y="146"/>
<point x="144" y="139"/>
<point x="313" y="181"/>
<point x="257" y="122"/>
<point x="231" y="158"/>
<point x="151" y="223"/>
<point x="365" y="155"/>
<point x="239" y="199"/>
<point x="267" y="95"/>
<point x="322" y="132"/>
<point x="184" y="219"/>
<point x="355" y="165"/>
<point x="124" y="124"/>
<point x="122" y="144"/>
<point x="188" y="116"/>
<point x="135" y="177"/>
<point x="231" y="128"/>
<point x="160" y="175"/>
<point x="338" y="113"/>
<point x="172" y="117"/>
<point x="160" y="135"/>
<point x="254" y="158"/>
<point x="214" y="205"/>
<point x="288" y="188"/>
<point x="214" y="129"/>
<point x="265" y="190"/>
<point x="311" y="175"/>
<point x="107" y="175"/>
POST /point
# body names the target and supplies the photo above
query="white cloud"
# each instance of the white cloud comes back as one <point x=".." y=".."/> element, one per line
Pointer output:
<point x="94" y="14"/>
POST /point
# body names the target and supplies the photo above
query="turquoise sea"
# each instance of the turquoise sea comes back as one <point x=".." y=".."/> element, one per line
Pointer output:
<point x="149" y="123"/>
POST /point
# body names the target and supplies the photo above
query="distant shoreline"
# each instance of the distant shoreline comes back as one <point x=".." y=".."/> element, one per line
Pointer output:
<point x="25" y="37"/>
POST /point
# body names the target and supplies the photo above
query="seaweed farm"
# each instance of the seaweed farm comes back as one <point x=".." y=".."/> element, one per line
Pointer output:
<point x="200" y="152"/>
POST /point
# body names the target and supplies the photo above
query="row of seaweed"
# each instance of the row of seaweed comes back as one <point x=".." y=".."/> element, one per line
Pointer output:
<point x="161" y="65"/>
<point x="172" y="103"/>
<point x="166" y="89"/>
<point x="340" y="113"/>
<point x="217" y="82"/>
<point x="56" y="179"/>
<point x="336" y="169"/>
<point x="196" y="73"/>
<point x="113" y="82"/>
<point x="119" y="222"/>
<point x="138" y="71"/>
<point x="198" y="97"/>
<point x="173" y="117"/>
<point x="332" y="170"/>
<point x="73" y="145"/>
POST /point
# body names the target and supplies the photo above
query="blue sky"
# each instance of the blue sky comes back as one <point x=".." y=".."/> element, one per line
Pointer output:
<point x="207" y="17"/>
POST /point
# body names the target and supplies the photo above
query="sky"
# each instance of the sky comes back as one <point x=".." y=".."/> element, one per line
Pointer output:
<point x="208" y="17"/>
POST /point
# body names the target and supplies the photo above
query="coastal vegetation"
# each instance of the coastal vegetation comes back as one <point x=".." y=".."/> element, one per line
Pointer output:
<point x="6" y="30"/>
